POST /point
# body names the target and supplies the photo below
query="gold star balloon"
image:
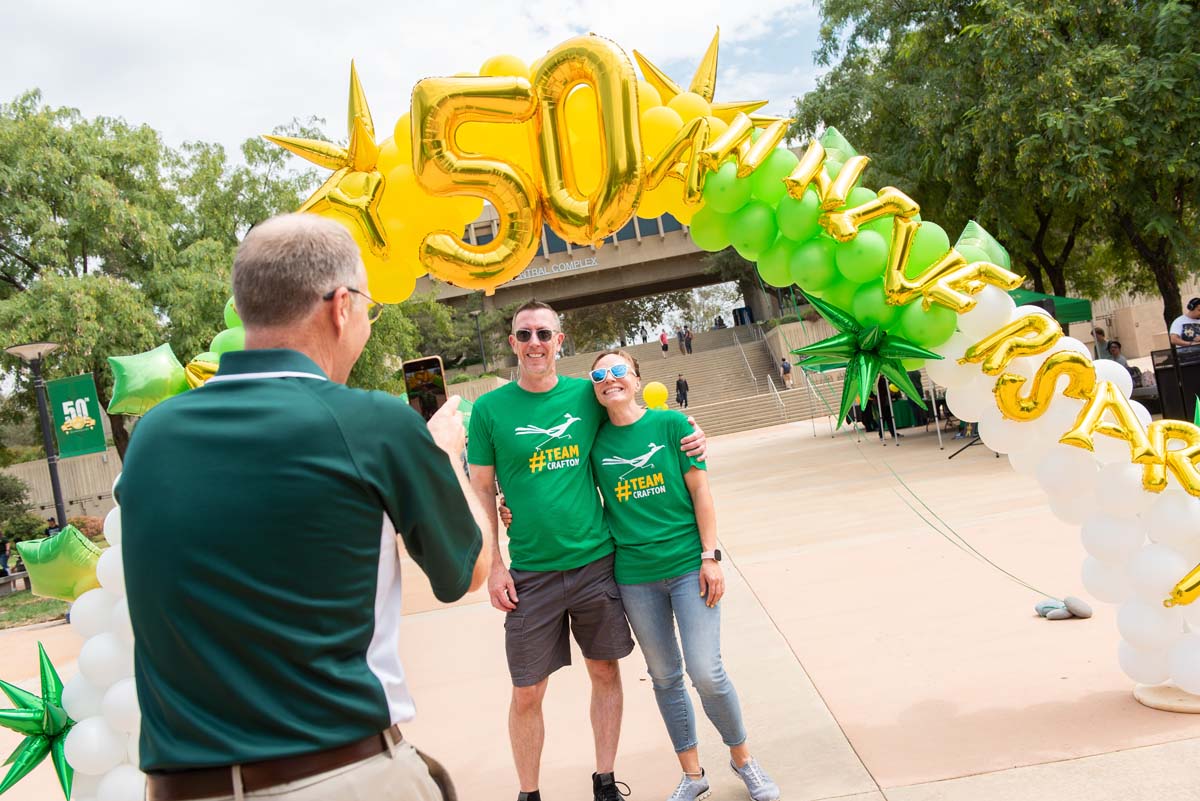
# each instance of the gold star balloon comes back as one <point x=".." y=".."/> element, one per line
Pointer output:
<point x="704" y="83"/>
<point x="44" y="723"/>
<point x="356" y="185"/>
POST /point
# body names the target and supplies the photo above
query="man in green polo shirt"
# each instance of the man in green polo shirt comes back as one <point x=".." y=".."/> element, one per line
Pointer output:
<point x="260" y="515"/>
<point x="534" y="436"/>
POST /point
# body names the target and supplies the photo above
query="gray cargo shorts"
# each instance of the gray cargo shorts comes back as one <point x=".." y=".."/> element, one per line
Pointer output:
<point x="586" y="600"/>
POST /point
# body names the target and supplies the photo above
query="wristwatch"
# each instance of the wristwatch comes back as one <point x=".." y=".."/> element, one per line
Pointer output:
<point x="714" y="554"/>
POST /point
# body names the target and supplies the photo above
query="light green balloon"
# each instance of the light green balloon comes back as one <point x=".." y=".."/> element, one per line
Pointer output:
<point x="863" y="257"/>
<point x="972" y="253"/>
<point x="928" y="245"/>
<point x="841" y="293"/>
<point x="799" y="220"/>
<point x="231" y="316"/>
<point x="710" y="230"/>
<point x="812" y="264"/>
<point x="62" y="566"/>
<point x="766" y="182"/>
<point x="859" y="196"/>
<point x="774" y="265"/>
<point x="753" y="229"/>
<point x="912" y="364"/>
<point x="144" y="379"/>
<point x="870" y="307"/>
<point x="230" y="339"/>
<point x="724" y="191"/>
<point x="929" y="329"/>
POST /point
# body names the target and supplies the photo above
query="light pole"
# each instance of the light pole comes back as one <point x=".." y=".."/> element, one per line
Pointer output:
<point x="32" y="354"/>
<point x="478" y="333"/>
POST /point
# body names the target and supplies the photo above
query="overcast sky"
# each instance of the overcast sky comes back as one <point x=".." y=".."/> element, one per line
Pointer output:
<point x="218" y="70"/>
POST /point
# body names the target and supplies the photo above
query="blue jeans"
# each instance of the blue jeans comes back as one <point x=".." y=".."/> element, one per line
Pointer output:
<point x="653" y="608"/>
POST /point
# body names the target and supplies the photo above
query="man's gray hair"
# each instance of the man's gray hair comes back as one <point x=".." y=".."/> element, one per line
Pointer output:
<point x="285" y="265"/>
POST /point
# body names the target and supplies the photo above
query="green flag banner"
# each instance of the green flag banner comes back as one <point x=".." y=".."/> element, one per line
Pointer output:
<point x="76" y="411"/>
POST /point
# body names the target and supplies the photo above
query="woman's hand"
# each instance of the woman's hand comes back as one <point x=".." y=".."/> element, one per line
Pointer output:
<point x="712" y="582"/>
<point x="695" y="445"/>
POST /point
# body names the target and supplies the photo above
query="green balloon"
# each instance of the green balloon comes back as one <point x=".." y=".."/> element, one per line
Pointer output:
<point x="812" y="266"/>
<point x="229" y="340"/>
<point x="912" y="364"/>
<point x="972" y="253"/>
<point x="832" y="168"/>
<point x="724" y="192"/>
<point x="753" y="229"/>
<point x="144" y="379"/>
<point x="929" y="329"/>
<point x="766" y="182"/>
<point x="62" y="566"/>
<point x="928" y="245"/>
<point x="863" y="257"/>
<point x="231" y="316"/>
<point x="710" y="230"/>
<point x="799" y="220"/>
<point x="882" y="226"/>
<point x="774" y="265"/>
<point x="870" y="306"/>
<point x="859" y="196"/>
<point x="841" y="293"/>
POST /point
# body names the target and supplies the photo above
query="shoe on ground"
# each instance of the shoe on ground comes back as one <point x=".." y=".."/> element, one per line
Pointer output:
<point x="760" y="786"/>
<point x="605" y="788"/>
<point x="536" y="795"/>
<point x="691" y="788"/>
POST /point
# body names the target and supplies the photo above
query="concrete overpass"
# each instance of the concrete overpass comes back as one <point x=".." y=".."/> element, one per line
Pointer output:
<point x="646" y="257"/>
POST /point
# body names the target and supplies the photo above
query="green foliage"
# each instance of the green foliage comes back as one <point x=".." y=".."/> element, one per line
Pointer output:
<point x="24" y="609"/>
<point x="462" y="378"/>
<point x="14" y="498"/>
<point x="598" y="327"/>
<point x="25" y="526"/>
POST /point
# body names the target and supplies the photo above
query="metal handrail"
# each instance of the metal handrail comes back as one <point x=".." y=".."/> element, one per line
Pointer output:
<point x="749" y="371"/>
<point x="778" y="399"/>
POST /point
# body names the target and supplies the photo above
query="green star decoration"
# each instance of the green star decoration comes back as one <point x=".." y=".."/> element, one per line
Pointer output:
<point x="44" y="723"/>
<point x="867" y="351"/>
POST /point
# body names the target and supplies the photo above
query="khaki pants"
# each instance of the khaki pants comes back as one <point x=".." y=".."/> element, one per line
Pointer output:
<point x="401" y="775"/>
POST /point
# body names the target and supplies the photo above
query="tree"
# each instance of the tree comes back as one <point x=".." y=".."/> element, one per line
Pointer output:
<point x="14" y="498"/>
<point x="596" y="327"/>
<point x="1031" y="118"/>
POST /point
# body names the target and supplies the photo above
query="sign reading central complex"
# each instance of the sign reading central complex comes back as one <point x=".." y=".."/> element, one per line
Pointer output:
<point x="561" y="267"/>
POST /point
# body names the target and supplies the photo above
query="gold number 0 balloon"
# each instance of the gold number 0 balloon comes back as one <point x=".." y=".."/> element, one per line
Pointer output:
<point x="439" y="106"/>
<point x="602" y="65"/>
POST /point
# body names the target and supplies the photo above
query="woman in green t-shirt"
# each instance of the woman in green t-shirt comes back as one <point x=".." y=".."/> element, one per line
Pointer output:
<point x="657" y="503"/>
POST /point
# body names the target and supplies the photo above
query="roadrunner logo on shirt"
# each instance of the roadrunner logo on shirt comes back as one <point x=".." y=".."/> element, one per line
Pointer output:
<point x="551" y="458"/>
<point x="638" y="486"/>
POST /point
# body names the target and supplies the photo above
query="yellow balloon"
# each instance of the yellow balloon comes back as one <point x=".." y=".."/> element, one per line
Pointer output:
<point x="682" y="212"/>
<point x="654" y="394"/>
<point x="391" y="278"/>
<point x="508" y="142"/>
<point x="659" y="126"/>
<point x="505" y="65"/>
<point x="690" y="105"/>
<point x="583" y="128"/>
<point x="655" y="202"/>
<point x="391" y="156"/>
<point x="648" y="97"/>
<point x="402" y="136"/>
<point x="717" y="127"/>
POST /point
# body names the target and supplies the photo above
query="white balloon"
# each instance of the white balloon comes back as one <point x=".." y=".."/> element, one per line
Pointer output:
<point x="1069" y="343"/>
<point x="93" y="748"/>
<point x="1144" y="667"/>
<point x="1154" y="570"/>
<point x="1173" y="519"/>
<point x="1067" y="471"/>
<point x="110" y="570"/>
<point x="84" y="786"/>
<point x="122" y="783"/>
<point x="119" y="622"/>
<point x="968" y="401"/>
<point x="1118" y="376"/>
<point x="1058" y="419"/>
<point x="1191" y="616"/>
<point x="1149" y="626"/>
<point x="81" y="699"/>
<point x="133" y="749"/>
<point x="120" y="706"/>
<point x="1184" y="663"/>
<point x="1105" y="582"/>
<point x="104" y="660"/>
<point x="112" y="526"/>
<point x="1001" y="434"/>
<point x="1143" y="414"/>
<point x="91" y="614"/>
<point x="1119" y="490"/>
<point x="993" y="308"/>
<point x="1111" y="540"/>
<point x="946" y="371"/>
<point x="1073" y="509"/>
<point x="1026" y="458"/>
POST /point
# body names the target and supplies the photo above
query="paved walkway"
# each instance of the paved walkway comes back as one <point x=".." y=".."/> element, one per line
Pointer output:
<point x="875" y="661"/>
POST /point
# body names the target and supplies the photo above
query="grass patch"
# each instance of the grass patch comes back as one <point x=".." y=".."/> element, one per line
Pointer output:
<point x="24" y="608"/>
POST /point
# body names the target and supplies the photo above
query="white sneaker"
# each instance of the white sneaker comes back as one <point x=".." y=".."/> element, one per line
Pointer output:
<point x="760" y="785"/>
<point x="691" y="789"/>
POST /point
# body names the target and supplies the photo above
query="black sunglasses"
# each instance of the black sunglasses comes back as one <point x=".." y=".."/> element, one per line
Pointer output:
<point x="374" y="311"/>
<point x="543" y="334"/>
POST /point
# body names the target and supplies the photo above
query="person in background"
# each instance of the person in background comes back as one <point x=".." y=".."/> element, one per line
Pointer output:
<point x="687" y="339"/>
<point x="785" y="372"/>
<point x="1101" y="343"/>
<point x="681" y="391"/>
<point x="52" y="527"/>
<point x="4" y="546"/>
<point x="1185" y="329"/>
<point x="645" y="335"/>
<point x="1114" y="353"/>
<point x="665" y="342"/>
<point x="679" y="338"/>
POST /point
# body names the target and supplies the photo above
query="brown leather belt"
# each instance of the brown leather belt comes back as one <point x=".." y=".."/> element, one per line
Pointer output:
<point x="186" y="785"/>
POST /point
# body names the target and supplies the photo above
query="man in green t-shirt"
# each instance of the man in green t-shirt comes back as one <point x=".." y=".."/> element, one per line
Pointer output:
<point x="260" y="516"/>
<point x="534" y="436"/>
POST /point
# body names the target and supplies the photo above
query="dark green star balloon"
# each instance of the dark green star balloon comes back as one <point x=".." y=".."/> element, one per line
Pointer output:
<point x="44" y="723"/>
<point x="866" y="351"/>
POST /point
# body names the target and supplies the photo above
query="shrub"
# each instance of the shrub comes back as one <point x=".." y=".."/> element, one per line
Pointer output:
<point x="26" y="526"/>
<point x="461" y="378"/>
<point x="92" y="527"/>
